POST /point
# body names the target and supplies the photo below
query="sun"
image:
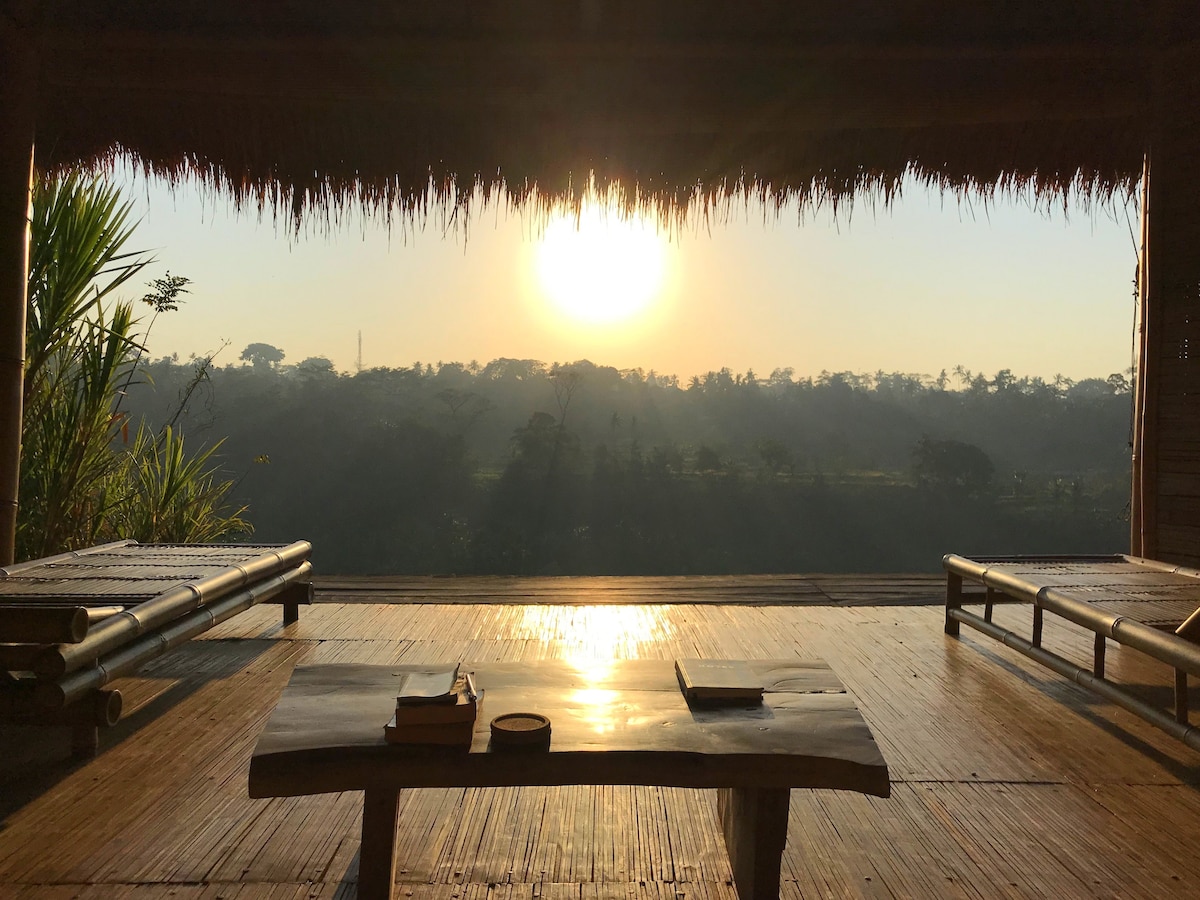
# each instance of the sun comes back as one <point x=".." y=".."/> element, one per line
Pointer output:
<point x="602" y="268"/>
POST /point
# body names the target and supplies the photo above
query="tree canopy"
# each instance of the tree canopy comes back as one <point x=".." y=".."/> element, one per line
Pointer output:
<point x="517" y="466"/>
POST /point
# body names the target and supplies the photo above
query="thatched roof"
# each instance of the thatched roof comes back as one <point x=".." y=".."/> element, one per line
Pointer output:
<point x="307" y="105"/>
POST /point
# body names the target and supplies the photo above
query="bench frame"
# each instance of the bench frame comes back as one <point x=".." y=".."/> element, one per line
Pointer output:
<point x="59" y="653"/>
<point x="1175" y="650"/>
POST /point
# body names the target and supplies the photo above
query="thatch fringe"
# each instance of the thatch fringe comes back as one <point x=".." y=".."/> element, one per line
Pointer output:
<point x="683" y="108"/>
<point x="829" y="171"/>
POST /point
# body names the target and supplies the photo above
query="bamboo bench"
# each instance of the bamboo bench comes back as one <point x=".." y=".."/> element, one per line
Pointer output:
<point x="1149" y="606"/>
<point x="71" y="624"/>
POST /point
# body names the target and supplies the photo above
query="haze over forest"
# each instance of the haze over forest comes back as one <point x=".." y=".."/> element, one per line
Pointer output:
<point x="522" y="467"/>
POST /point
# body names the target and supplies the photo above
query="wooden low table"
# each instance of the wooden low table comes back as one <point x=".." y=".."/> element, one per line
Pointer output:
<point x="614" y="722"/>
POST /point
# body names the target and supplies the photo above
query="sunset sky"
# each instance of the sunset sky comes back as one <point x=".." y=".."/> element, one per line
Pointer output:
<point x="926" y="284"/>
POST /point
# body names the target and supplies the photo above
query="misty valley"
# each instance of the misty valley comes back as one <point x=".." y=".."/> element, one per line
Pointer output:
<point x="519" y="467"/>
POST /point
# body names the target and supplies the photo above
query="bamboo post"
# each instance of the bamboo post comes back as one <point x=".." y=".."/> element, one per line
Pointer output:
<point x="292" y="598"/>
<point x="1181" y="696"/>
<point x="88" y="718"/>
<point x="18" y="105"/>
<point x="1137" y="545"/>
<point x="954" y="584"/>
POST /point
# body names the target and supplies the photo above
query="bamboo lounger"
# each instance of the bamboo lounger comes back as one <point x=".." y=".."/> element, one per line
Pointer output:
<point x="71" y="624"/>
<point x="1138" y="603"/>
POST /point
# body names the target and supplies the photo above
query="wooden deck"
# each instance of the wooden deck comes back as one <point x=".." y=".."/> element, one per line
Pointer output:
<point x="1007" y="780"/>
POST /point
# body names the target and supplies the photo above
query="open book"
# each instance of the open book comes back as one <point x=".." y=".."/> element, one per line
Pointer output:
<point x="434" y="684"/>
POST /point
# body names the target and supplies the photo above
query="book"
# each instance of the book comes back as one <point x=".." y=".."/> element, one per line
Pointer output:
<point x="447" y="734"/>
<point x="718" y="681"/>
<point x="426" y="714"/>
<point x="464" y="708"/>
<point x="434" y="684"/>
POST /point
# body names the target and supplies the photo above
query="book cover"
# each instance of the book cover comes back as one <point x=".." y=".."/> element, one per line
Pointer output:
<point x="718" y="680"/>
<point x="465" y="708"/>
<point x="434" y="684"/>
<point x="449" y="734"/>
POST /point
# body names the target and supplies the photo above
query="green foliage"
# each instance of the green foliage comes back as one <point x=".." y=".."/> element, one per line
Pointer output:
<point x="776" y="456"/>
<point x="81" y="480"/>
<point x="77" y="233"/>
<point x="952" y="466"/>
<point x="262" y="356"/>
<point x="522" y="467"/>
<point x="172" y="497"/>
<point x="165" y="294"/>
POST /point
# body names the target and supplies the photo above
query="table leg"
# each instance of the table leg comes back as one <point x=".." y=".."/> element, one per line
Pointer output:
<point x="755" y="824"/>
<point x="377" y="853"/>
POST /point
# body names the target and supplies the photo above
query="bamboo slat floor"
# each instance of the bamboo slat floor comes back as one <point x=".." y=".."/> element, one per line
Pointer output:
<point x="1008" y="780"/>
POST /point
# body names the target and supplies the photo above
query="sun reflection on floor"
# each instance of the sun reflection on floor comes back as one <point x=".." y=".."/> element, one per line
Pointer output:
<point x="590" y="638"/>
<point x="593" y="635"/>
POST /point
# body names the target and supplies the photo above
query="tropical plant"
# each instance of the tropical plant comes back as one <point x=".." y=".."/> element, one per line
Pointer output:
<point x="171" y="496"/>
<point x="82" y="479"/>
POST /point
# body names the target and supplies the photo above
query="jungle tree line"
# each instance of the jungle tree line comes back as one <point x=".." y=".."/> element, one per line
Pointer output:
<point x="522" y="467"/>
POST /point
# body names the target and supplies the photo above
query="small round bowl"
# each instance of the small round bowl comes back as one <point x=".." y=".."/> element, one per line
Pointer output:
<point x="521" y="730"/>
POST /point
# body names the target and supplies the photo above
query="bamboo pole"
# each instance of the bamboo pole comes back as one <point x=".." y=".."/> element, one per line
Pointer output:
<point x="69" y="556"/>
<point x="40" y="624"/>
<point x="1137" y="524"/>
<point x="1151" y="299"/>
<point x="20" y="706"/>
<point x="127" y="658"/>
<point x="18" y="657"/>
<point x="1161" y="645"/>
<point x="114" y="632"/>
<point x="18" y="105"/>
<point x="1188" y="734"/>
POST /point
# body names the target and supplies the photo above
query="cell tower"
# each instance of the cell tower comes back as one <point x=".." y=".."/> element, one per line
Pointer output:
<point x="358" y="359"/>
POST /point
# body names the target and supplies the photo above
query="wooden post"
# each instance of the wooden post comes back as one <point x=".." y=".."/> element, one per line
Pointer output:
<point x="377" y="853"/>
<point x="954" y="584"/>
<point x="88" y="717"/>
<point x="1165" y="503"/>
<point x="754" y="821"/>
<point x="291" y="598"/>
<point x="18" y="105"/>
